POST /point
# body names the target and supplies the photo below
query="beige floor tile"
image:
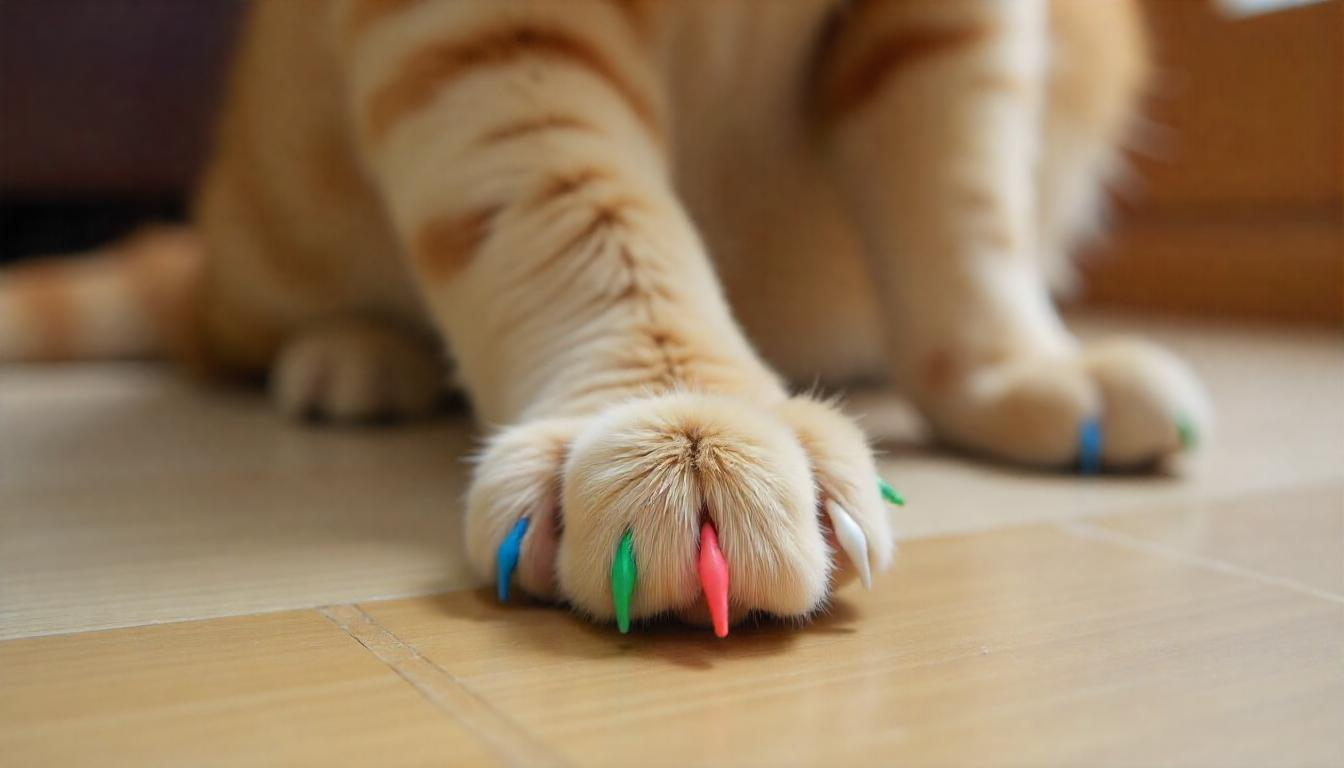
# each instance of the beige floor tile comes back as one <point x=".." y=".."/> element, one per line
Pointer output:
<point x="1029" y="647"/>
<point x="1294" y="536"/>
<point x="129" y="497"/>
<point x="281" y="689"/>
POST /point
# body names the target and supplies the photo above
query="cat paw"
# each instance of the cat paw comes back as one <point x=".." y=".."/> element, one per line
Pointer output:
<point x="356" y="371"/>
<point x="1123" y="404"/>
<point x="552" y="500"/>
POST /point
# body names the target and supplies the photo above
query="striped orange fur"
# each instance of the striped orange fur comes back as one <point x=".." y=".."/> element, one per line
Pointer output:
<point x="532" y="125"/>
<point x="444" y="245"/>
<point x="436" y="66"/>
<point x="130" y="299"/>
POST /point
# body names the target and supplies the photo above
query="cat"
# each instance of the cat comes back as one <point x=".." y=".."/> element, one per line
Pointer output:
<point x="630" y="223"/>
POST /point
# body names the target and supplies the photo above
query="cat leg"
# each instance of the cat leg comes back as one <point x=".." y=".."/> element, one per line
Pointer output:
<point x="1096" y="68"/>
<point x="520" y="150"/>
<point x="933" y="110"/>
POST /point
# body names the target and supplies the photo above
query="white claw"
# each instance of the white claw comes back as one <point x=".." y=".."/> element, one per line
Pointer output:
<point x="852" y="540"/>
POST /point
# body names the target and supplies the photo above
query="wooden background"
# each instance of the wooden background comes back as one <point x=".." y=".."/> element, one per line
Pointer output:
<point x="1242" y="214"/>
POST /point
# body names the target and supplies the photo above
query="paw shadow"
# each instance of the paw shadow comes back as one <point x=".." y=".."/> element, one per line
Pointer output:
<point x="551" y="630"/>
<point x="1168" y="470"/>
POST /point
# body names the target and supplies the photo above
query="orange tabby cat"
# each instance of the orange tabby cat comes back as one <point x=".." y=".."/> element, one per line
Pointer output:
<point x="613" y="214"/>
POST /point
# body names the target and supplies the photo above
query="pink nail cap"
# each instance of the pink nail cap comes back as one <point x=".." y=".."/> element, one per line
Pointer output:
<point x="714" y="577"/>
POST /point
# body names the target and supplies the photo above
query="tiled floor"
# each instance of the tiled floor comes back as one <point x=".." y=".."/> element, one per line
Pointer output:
<point x="184" y="579"/>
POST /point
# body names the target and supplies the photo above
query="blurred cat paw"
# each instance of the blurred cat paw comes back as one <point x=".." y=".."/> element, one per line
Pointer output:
<point x="356" y="371"/>
<point x="1119" y="405"/>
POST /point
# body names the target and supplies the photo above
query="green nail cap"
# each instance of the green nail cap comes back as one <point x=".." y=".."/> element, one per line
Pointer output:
<point x="623" y="581"/>
<point x="1186" y="430"/>
<point x="889" y="494"/>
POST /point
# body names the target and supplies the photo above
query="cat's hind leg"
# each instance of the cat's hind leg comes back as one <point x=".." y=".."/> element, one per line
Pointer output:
<point x="932" y="110"/>
<point x="520" y="150"/>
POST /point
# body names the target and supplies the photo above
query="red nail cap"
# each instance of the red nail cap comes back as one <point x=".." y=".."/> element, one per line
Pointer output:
<point x="714" y="577"/>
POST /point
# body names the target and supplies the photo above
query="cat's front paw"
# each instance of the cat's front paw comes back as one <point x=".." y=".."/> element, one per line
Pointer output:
<point x="1121" y="404"/>
<point x="791" y="489"/>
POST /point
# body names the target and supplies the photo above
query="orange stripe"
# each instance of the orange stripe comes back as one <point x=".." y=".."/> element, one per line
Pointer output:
<point x="529" y="126"/>
<point x="565" y="184"/>
<point x="438" y="65"/>
<point x="445" y="245"/>
<point x="851" y="90"/>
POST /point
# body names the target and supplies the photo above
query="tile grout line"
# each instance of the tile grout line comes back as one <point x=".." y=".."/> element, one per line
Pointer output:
<point x="1087" y="531"/>
<point x="511" y="740"/>
<point x="226" y="614"/>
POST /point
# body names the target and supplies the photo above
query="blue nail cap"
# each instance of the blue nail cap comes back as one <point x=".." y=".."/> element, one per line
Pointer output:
<point x="507" y="559"/>
<point x="1089" y="447"/>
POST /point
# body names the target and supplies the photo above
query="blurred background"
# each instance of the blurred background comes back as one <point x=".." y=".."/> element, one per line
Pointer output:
<point x="1238" y="213"/>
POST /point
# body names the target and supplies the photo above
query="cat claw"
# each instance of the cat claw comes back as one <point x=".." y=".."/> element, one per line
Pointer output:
<point x="852" y="540"/>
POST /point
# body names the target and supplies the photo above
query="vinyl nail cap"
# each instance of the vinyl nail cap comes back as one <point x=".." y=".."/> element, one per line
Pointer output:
<point x="714" y="577"/>
<point x="1089" y="447"/>
<point x="623" y="581"/>
<point x="889" y="494"/>
<point x="506" y="560"/>
<point x="1185" y="430"/>
<point x="852" y="540"/>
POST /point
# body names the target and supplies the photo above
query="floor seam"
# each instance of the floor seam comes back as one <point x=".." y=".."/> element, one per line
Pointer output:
<point x="191" y="618"/>
<point x="511" y="740"/>
<point x="1088" y="531"/>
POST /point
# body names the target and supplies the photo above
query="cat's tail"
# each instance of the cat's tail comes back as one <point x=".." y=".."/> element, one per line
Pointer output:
<point x="131" y="299"/>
